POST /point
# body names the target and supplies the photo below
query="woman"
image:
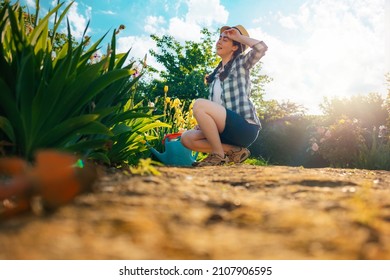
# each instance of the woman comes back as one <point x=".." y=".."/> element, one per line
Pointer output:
<point x="227" y="122"/>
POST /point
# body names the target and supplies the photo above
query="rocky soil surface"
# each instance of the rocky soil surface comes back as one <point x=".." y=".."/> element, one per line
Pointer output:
<point x="230" y="212"/>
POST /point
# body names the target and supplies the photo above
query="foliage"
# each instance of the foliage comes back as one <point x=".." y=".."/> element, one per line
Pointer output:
<point x="34" y="86"/>
<point x="258" y="81"/>
<point x="273" y="110"/>
<point x="340" y="143"/>
<point x="184" y="67"/>
<point x="283" y="141"/>
<point x="256" y="161"/>
<point x="283" y="135"/>
<point x="127" y="121"/>
<point x="375" y="154"/>
<point x="347" y="144"/>
<point x="368" y="109"/>
<point x="58" y="39"/>
<point x="146" y="167"/>
<point x="66" y="101"/>
<point x="175" y="114"/>
<point x="352" y="140"/>
<point x="130" y="135"/>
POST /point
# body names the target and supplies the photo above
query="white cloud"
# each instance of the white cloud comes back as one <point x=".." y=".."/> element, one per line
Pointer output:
<point x="184" y="30"/>
<point x="139" y="46"/>
<point x="108" y="12"/>
<point x="31" y="3"/>
<point x="201" y="13"/>
<point x="154" y="24"/>
<point x="206" y="12"/>
<point x="287" y="22"/>
<point x="342" y="55"/>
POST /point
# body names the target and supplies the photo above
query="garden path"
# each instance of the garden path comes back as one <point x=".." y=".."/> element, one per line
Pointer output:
<point x="230" y="212"/>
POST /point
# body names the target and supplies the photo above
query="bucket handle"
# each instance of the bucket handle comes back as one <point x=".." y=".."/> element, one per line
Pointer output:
<point x="171" y="136"/>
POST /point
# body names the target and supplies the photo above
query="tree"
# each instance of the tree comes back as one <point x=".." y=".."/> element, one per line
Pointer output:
<point x="273" y="110"/>
<point x="258" y="82"/>
<point x="185" y="66"/>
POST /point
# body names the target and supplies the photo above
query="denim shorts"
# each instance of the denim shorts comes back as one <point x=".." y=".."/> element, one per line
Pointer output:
<point x="238" y="131"/>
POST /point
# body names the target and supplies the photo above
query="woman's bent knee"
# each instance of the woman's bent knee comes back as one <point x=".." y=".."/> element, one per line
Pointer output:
<point x="199" y="105"/>
<point x="185" y="139"/>
<point x="205" y="106"/>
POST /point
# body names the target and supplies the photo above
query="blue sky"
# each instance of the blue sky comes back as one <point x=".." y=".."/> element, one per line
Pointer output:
<point x="317" y="48"/>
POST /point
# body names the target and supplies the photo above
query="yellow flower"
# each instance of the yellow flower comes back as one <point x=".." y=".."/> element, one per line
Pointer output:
<point x="167" y="100"/>
<point x="165" y="89"/>
<point x="180" y="120"/>
<point x="176" y="102"/>
<point x="193" y="122"/>
<point x="145" y="167"/>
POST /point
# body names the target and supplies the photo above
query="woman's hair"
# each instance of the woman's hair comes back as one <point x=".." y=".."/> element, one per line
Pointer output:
<point x="222" y="76"/>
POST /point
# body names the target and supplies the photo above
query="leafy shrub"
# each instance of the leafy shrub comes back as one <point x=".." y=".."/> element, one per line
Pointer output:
<point x="347" y="144"/>
<point x="43" y="98"/>
<point x="67" y="99"/>
<point x="284" y="142"/>
<point x="375" y="154"/>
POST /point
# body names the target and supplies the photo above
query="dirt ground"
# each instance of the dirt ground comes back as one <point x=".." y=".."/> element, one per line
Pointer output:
<point x="230" y="212"/>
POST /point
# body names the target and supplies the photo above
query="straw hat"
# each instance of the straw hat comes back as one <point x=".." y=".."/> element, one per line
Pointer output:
<point x="240" y="28"/>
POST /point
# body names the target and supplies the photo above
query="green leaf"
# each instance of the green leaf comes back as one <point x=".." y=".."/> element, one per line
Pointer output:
<point x="41" y="28"/>
<point x="6" y="126"/>
<point x="121" y="128"/>
<point x="101" y="82"/>
<point x="87" y="145"/>
<point x="10" y="108"/>
<point x="129" y="115"/>
<point x="25" y="87"/>
<point x="100" y="157"/>
<point x="63" y="14"/>
<point x="64" y="131"/>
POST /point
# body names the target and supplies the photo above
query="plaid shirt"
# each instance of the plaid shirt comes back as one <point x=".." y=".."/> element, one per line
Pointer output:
<point x="236" y="87"/>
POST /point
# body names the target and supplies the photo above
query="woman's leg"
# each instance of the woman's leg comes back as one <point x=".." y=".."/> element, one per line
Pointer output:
<point x="211" y="119"/>
<point x="195" y="140"/>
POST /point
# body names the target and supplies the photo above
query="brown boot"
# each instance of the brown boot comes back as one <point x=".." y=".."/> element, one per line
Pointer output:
<point x="238" y="156"/>
<point x="212" y="160"/>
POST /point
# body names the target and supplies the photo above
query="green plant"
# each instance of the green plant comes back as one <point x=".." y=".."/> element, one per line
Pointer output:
<point x="256" y="161"/>
<point x="128" y="122"/>
<point x="283" y="141"/>
<point x="375" y="154"/>
<point x="146" y="167"/>
<point x="131" y="131"/>
<point x="44" y="97"/>
<point x="340" y="144"/>
<point x="176" y="115"/>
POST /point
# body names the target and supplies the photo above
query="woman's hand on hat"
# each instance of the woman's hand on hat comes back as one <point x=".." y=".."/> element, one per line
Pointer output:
<point x="232" y="33"/>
